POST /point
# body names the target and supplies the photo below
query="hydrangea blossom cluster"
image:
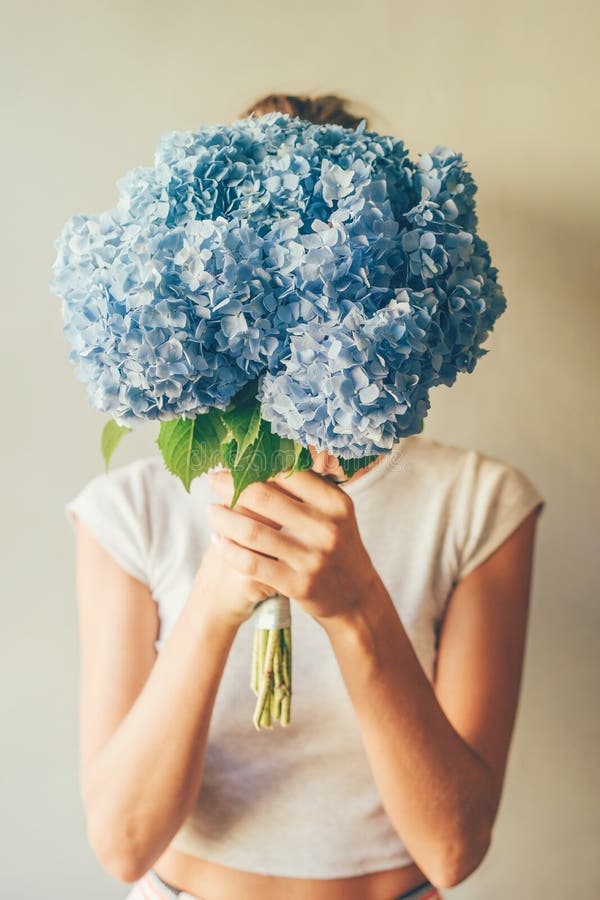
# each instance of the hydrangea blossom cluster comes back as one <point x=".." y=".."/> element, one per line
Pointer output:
<point x="317" y="259"/>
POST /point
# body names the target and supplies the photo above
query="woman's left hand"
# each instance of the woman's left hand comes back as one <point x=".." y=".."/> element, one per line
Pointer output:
<point x="306" y="542"/>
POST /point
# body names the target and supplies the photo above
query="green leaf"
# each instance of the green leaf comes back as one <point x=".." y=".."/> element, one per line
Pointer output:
<point x="243" y="422"/>
<point x="246" y="395"/>
<point x="352" y="466"/>
<point x="302" y="459"/>
<point x="267" y="455"/>
<point x="111" y="435"/>
<point x="229" y="452"/>
<point x="192" y="446"/>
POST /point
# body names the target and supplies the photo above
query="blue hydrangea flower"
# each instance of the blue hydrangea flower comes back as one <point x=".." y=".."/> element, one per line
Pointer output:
<point x="319" y="259"/>
<point x="362" y="381"/>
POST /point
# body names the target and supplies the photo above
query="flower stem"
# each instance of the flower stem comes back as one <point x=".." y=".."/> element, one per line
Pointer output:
<point x="272" y="676"/>
<point x="255" y="663"/>
<point x="286" y="635"/>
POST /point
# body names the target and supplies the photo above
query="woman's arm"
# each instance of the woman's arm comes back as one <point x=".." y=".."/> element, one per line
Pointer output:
<point x="144" y="717"/>
<point x="438" y="754"/>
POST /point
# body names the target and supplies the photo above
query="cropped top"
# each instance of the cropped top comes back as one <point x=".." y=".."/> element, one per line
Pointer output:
<point x="301" y="801"/>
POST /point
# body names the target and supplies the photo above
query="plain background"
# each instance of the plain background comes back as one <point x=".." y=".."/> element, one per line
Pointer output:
<point x="87" y="90"/>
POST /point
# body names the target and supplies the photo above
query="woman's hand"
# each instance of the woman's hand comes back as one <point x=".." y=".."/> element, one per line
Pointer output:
<point x="223" y="592"/>
<point x="306" y="545"/>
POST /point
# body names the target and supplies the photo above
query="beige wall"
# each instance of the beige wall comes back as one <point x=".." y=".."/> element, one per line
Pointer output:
<point x="88" y="88"/>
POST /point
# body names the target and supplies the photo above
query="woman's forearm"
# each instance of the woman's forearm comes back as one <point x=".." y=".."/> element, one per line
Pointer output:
<point x="436" y="790"/>
<point x="144" y="782"/>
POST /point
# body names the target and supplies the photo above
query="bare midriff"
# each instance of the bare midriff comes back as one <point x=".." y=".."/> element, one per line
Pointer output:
<point x="209" y="881"/>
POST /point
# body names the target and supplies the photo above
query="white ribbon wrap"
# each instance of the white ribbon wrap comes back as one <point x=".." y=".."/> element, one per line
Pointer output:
<point x="274" y="612"/>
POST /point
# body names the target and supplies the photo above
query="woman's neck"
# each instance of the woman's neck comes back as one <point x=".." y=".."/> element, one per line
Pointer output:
<point x="326" y="464"/>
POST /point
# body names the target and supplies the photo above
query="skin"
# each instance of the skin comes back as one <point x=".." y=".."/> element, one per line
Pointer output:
<point x="438" y="751"/>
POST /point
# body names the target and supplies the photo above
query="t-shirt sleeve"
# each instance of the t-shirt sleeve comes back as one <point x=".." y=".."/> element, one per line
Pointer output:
<point x="493" y="500"/>
<point x="113" y="507"/>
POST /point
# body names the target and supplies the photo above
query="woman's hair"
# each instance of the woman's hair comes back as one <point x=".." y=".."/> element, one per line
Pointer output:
<point x="322" y="109"/>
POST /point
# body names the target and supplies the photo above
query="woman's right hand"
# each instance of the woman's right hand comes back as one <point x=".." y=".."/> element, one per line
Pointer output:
<point x="224" y="594"/>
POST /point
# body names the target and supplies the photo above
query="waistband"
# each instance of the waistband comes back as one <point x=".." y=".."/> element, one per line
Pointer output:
<point x="424" y="891"/>
<point x="152" y="887"/>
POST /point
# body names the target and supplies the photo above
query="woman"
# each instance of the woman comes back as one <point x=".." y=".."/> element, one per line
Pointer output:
<point x="410" y="584"/>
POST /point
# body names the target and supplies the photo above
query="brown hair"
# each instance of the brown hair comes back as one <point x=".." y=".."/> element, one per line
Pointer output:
<point x="322" y="109"/>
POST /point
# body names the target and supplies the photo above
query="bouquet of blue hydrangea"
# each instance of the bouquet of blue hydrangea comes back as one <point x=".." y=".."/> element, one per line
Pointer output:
<point x="269" y="286"/>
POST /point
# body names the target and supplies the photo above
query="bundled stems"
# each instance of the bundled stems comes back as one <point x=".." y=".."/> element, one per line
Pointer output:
<point x="272" y="676"/>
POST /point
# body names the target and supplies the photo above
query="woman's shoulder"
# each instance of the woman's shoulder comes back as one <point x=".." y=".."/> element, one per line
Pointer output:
<point x="141" y="513"/>
<point x="428" y="461"/>
<point x="131" y="484"/>
<point x="480" y="497"/>
<point x="428" y="451"/>
<point x="146" y="476"/>
<point x="425" y="449"/>
<point x="465" y="471"/>
<point x="143" y="490"/>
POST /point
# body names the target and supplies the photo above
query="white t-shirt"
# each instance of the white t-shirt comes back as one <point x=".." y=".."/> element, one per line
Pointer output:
<point x="301" y="801"/>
